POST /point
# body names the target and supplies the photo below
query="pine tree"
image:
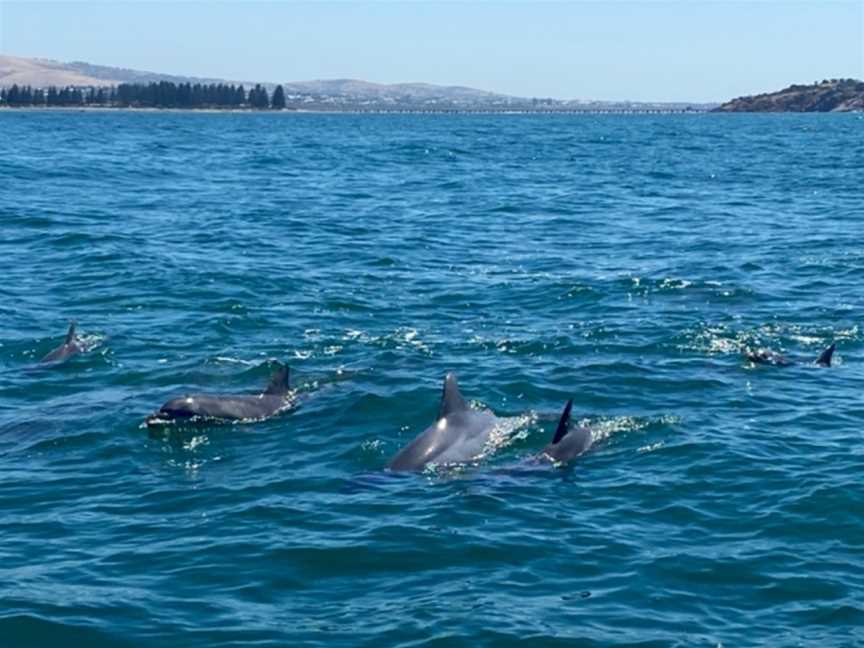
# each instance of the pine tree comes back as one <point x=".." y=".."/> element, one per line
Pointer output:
<point x="121" y="95"/>
<point x="278" y="101"/>
<point x="263" y="98"/>
<point x="223" y="99"/>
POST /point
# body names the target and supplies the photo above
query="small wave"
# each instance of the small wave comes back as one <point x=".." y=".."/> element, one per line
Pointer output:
<point x="721" y="339"/>
<point x="233" y="360"/>
<point x="604" y="428"/>
<point x="91" y="341"/>
<point x="401" y="338"/>
<point x="507" y="431"/>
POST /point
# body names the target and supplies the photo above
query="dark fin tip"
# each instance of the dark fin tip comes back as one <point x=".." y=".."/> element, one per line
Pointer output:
<point x="279" y="381"/>
<point x="70" y="334"/>
<point x="825" y="359"/>
<point x="564" y="423"/>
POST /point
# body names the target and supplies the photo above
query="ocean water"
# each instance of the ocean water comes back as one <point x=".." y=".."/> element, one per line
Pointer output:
<point x="623" y="261"/>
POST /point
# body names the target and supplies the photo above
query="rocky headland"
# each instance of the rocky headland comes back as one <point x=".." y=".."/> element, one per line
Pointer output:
<point x="834" y="95"/>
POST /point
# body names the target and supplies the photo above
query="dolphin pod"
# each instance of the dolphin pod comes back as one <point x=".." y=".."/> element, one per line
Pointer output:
<point x="276" y="398"/>
<point x="71" y="346"/>
<point x="766" y="356"/>
<point x="459" y="434"/>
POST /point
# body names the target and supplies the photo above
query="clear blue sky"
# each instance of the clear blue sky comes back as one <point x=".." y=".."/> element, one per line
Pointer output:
<point x="646" y="50"/>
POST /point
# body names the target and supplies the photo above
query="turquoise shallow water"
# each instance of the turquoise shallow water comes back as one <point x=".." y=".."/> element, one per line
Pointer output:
<point x="621" y="261"/>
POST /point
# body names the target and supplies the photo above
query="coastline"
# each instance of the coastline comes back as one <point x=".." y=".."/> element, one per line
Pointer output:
<point x="343" y="111"/>
<point x="413" y="111"/>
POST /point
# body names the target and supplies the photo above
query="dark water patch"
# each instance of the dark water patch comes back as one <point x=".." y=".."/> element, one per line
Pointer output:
<point x="31" y="630"/>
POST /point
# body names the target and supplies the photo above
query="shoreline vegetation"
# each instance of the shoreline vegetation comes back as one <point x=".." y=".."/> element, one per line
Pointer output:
<point x="162" y="94"/>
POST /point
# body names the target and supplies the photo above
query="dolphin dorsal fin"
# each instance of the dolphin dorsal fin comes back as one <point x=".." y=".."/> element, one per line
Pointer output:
<point x="825" y="359"/>
<point x="278" y="384"/>
<point x="451" y="399"/>
<point x="70" y="334"/>
<point x="564" y="423"/>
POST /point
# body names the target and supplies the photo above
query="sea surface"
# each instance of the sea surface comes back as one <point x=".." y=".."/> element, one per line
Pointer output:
<point x="622" y="261"/>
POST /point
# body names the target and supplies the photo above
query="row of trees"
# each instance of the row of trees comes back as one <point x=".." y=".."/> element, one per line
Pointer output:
<point x="164" y="94"/>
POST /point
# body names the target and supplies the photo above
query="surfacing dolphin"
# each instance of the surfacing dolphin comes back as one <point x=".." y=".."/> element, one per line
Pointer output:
<point x="568" y="442"/>
<point x="277" y="398"/>
<point x="71" y="346"/>
<point x="766" y="356"/>
<point x="459" y="434"/>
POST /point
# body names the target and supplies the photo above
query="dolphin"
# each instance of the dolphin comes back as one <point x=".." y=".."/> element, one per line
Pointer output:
<point x="766" y="356"/>
<point x="459" y="434"/>
<point x="568" y="442"/>
<point x="71" y="346"/>
<point x="277" y="398"/>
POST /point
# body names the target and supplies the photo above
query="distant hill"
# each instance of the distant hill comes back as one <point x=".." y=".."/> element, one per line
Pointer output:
<point x="41" y="73"/>
<point x="108" y="74"/>
<point x="836" y="95"/>
<point x="366" y="90"/>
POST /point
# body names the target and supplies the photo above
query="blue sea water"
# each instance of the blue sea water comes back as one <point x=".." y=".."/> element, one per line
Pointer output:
<point x="623" y="261"/>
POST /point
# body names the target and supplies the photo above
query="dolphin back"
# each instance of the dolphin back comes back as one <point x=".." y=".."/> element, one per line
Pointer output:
<point x="69" y="347"/>
<point x="227" y="407"/>
<point x="459" y="433"/>
<point x="568" y="443"/>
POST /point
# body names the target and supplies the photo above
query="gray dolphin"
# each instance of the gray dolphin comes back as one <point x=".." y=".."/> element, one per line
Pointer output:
<point x="277" y="398"/>
<point x="568" y="442"/>
<point x="766" y="356"/>
<point x="459" y="434"/>
<point x="71" y="346"/>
